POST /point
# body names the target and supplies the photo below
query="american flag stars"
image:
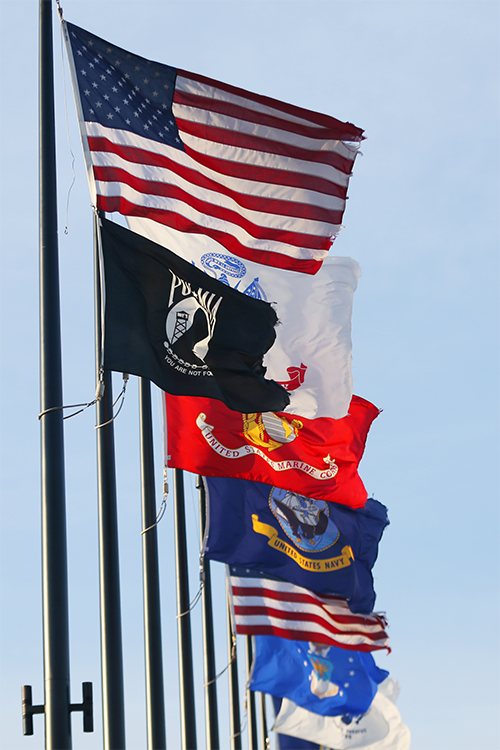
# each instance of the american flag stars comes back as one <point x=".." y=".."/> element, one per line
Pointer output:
<point x="110" y="78"/>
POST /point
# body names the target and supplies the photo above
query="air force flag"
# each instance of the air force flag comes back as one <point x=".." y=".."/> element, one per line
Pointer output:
<point x="319" y="545"/>
<point x="323" y="679"/>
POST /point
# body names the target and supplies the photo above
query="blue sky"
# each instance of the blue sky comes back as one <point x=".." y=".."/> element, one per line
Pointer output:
<point x="422" y="79"/>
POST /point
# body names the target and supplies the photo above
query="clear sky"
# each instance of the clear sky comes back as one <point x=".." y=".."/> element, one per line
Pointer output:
<point x="422" y="79"/>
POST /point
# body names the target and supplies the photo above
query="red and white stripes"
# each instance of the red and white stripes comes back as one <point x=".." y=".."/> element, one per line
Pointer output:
<point x="268" y="607"/>
<point x="267" y="180"/>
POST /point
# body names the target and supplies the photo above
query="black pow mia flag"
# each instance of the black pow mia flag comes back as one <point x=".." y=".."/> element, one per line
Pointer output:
<point x="167" y="321"/>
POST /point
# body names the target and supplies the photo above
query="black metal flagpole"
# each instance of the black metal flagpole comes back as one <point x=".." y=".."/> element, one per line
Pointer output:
<point x="252" y="716"/>
<point x="155" y="701"/>
<point x="54" y="546"/>
<point x="263" y="723"/>
<point x="186" y="677"/>
<point x="113" y="707"/>
<point x="57" y="707"/>
<point x="211" y="715"/>
<point x="234" y="692"/>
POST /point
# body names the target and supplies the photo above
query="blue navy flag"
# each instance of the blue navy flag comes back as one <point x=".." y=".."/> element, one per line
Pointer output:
<point x="323" y="679"/>
<point x="322" y="546"/>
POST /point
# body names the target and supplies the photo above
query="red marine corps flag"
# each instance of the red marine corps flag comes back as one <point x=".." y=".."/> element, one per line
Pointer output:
<point x="317" y="458"/>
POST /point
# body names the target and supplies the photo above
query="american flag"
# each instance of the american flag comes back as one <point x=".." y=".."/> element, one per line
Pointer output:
<point x="265" y="179"/>
<point x="269" y="606"/>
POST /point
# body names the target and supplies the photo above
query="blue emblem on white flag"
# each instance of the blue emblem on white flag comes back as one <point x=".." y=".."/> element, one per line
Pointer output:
<point x="381" y="727"/>
<point x="227" y="268"/>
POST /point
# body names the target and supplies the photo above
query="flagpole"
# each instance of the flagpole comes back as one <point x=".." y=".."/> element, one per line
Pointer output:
<point x="186" y="677"/>
<point x="263" y="722"/>
<point x="155" y="701"/>
<point x="54" y="544"/>
<point x="234" y="691"/>
<point x="113" y="707"/>
<point x="252" y="717"/>
<point x="211" y="715"/>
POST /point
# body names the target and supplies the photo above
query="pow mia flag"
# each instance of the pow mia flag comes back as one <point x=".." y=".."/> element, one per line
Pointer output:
<point x="192" y="335"/>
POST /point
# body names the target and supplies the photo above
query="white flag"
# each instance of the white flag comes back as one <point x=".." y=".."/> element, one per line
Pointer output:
<point x="380" y="728"/>
<point x="312" y="352"/>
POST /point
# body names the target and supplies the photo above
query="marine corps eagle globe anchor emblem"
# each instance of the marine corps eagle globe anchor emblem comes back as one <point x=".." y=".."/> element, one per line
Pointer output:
<point x="270" y="431"/>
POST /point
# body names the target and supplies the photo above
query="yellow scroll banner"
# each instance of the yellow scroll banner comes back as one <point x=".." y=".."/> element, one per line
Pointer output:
<point x="317" y="566"/>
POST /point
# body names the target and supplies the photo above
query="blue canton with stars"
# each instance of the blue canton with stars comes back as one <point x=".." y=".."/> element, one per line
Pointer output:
<point x="124" y="91"/>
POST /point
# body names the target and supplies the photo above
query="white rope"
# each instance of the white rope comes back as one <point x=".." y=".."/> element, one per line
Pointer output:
<point x="193" y="603"/>
<point x="102" y="288"/>
<point x="233" y="657"/>
<point x="163" y="506"/>
<point x="67" y="124"/>
<point x="162" y="407"/>
<point x="121" y="396"/>
<point x="159" y="515"/>
<point x="69" y="406"/>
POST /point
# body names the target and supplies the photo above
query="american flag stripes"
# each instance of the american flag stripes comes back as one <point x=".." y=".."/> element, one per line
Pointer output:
<point x="265" y="179"/>
<point x="265" y="606"/>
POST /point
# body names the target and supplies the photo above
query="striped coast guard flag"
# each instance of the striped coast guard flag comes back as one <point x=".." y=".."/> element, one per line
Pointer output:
<point x="265" y="179"/>
<point x="270" y="606"/>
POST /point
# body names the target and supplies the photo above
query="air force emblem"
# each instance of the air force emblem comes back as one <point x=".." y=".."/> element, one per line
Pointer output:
<point x="321" y="685"/>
